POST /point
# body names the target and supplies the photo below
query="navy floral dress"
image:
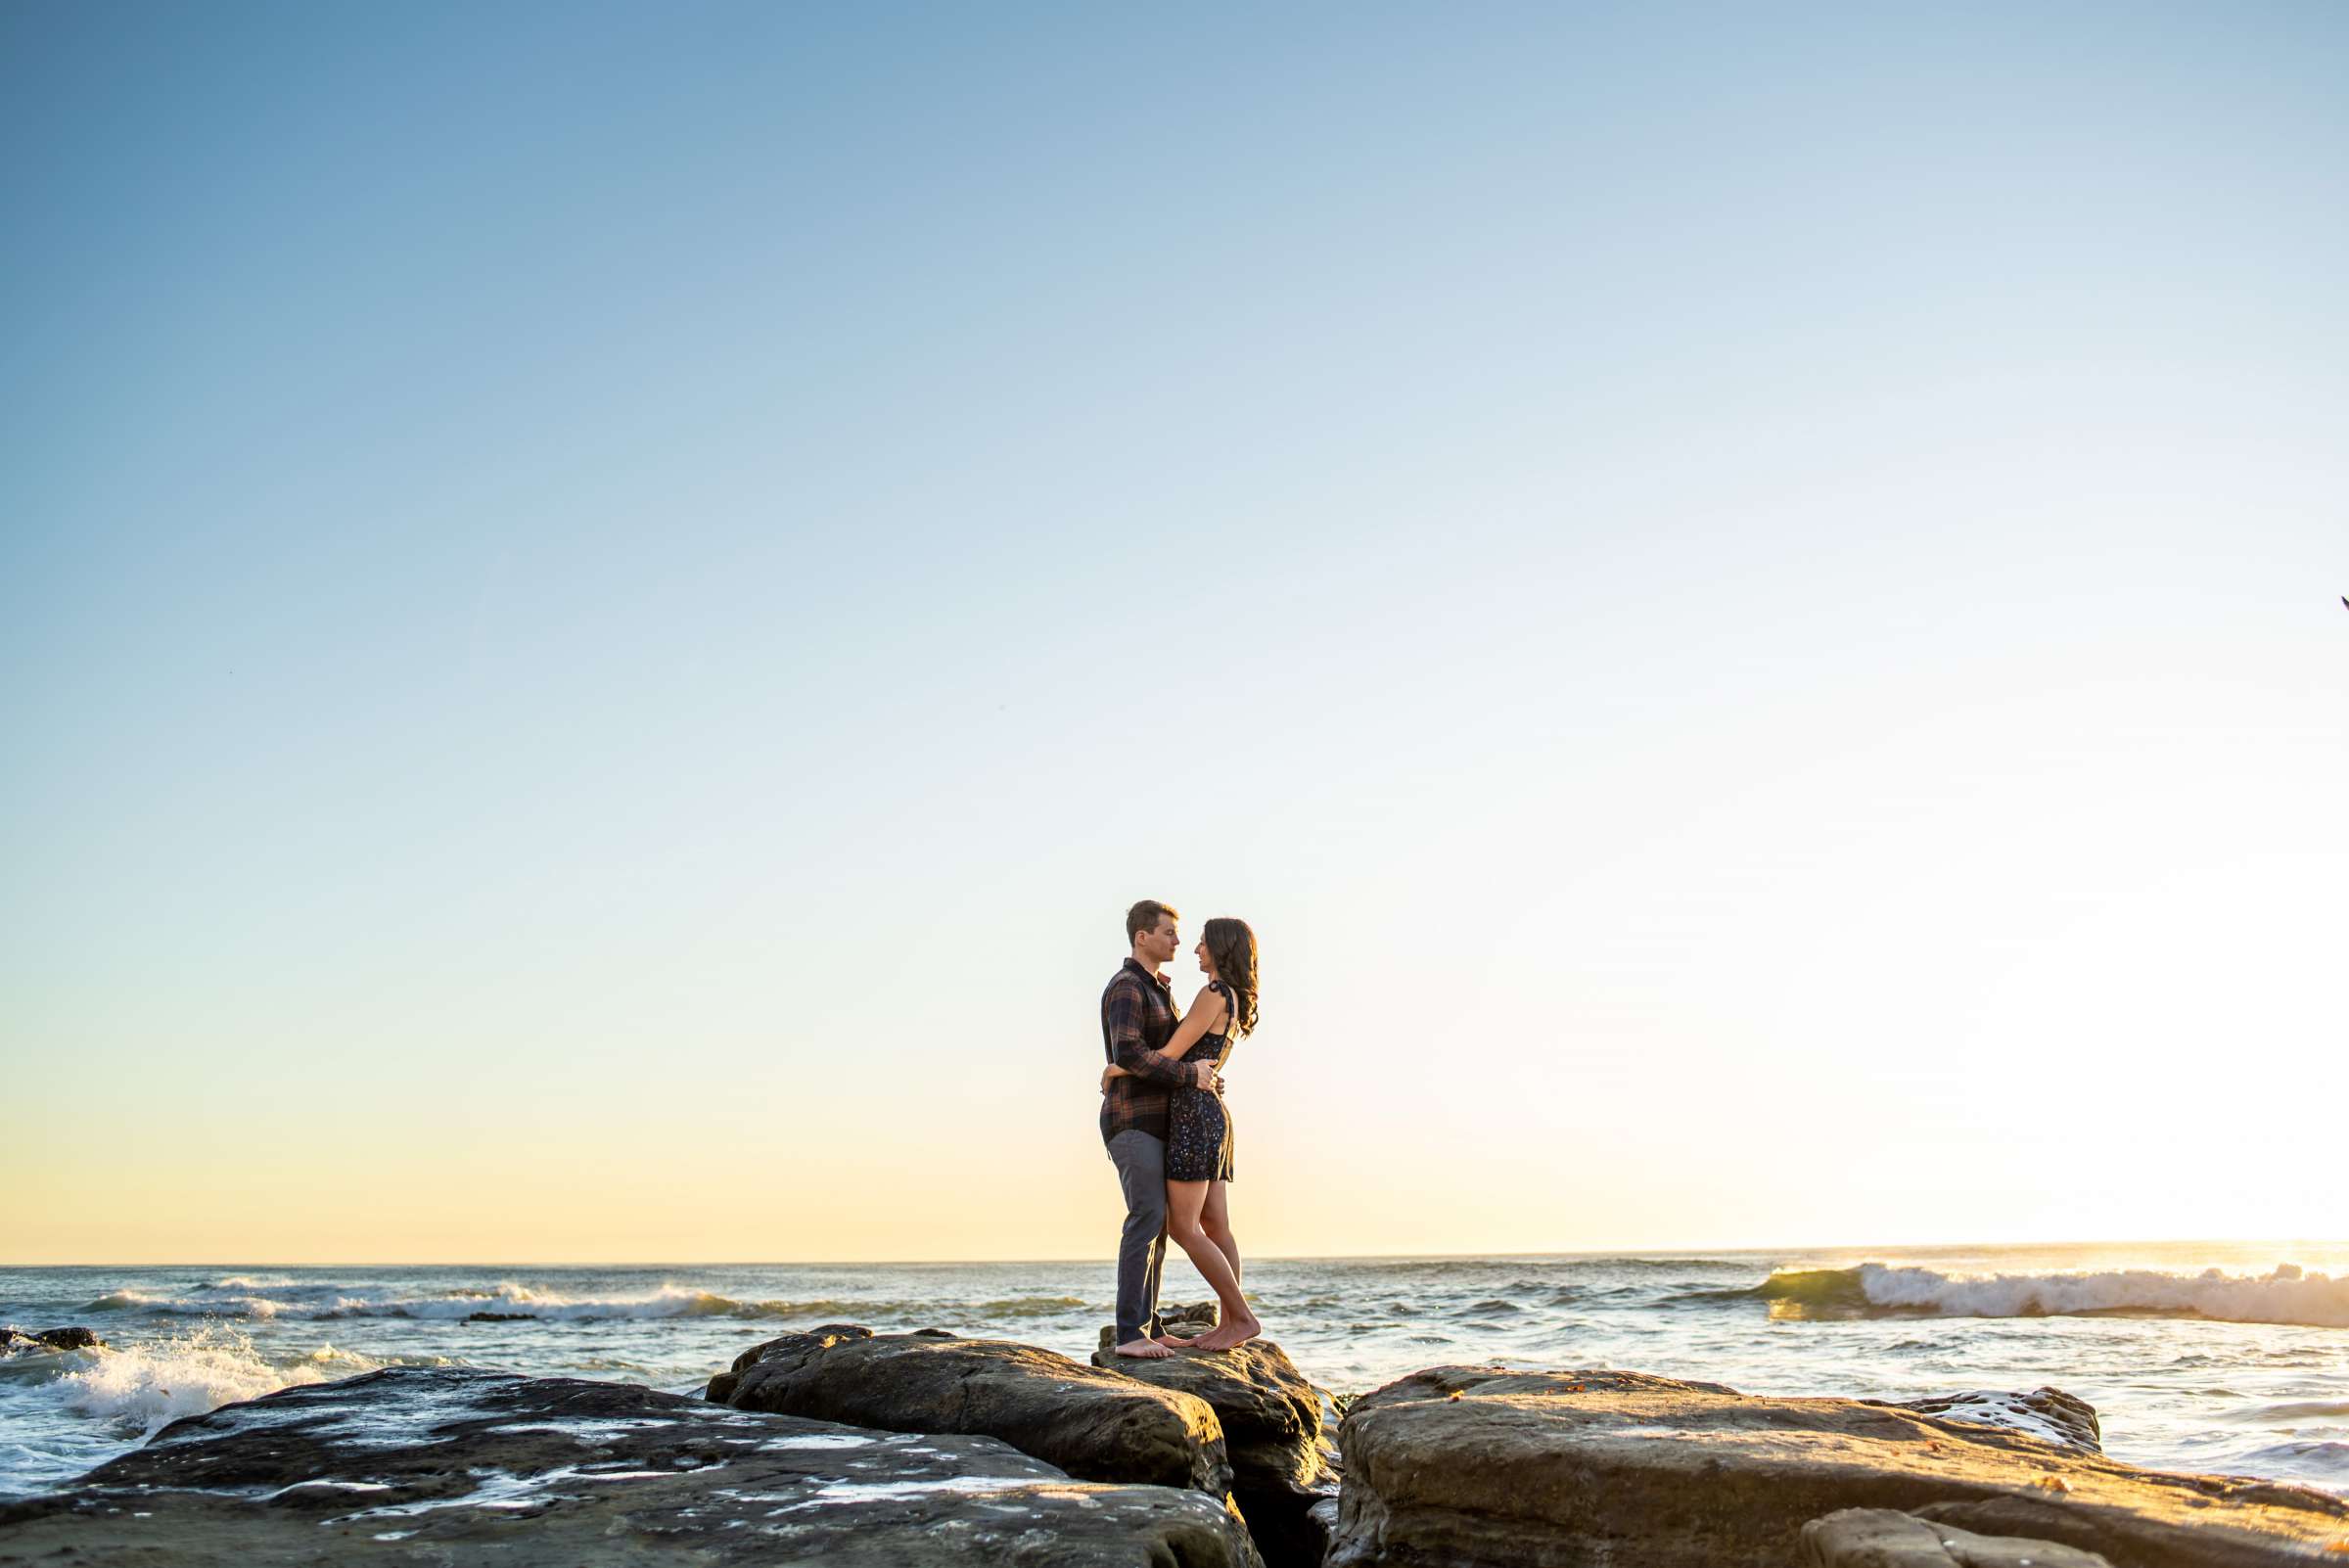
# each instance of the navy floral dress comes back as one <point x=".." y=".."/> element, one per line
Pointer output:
<point x="1199" y="1134"/>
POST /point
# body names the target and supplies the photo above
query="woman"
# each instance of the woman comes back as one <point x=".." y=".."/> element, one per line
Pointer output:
<point x="1199" y="1132"/>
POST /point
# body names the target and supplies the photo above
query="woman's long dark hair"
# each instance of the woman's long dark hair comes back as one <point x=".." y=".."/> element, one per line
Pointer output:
<point x="1233" y="946"/>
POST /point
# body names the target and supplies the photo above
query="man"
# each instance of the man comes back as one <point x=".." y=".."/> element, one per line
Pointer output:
<point x="1138" y="1017"/>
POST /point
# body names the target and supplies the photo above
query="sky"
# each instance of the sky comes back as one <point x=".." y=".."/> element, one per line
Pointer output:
<point x="602" y="607"/>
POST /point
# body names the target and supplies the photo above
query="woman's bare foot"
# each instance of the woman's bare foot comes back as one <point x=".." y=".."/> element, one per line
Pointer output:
<point x="1148" y="1349"/>
<point x="1224" y="1336"/>
<point x="1176" y="1342"/>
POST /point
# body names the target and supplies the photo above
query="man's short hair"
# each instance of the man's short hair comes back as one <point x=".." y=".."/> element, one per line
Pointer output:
<point x="1144" y="917"/>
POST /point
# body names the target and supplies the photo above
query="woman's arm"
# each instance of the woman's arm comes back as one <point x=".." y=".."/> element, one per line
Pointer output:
<point x="1123" y="1007"/>
<point x="1187" y="1034"/>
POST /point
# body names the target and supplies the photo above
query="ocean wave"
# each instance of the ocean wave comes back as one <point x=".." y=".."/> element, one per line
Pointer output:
<point x="2285" y="1295"/>
<point x="2295" y="1411"/>
<point x="1028" y="1306"/>
<point x="23" y="1364"/>
<point x="152" y="1384"/>
<point x="119" y="1301"/>
<point x="509" y="1300"/>
<point x="2325" y="1464"/>
<point x="512" y="1300"/>
<point x="139" y="1300"/>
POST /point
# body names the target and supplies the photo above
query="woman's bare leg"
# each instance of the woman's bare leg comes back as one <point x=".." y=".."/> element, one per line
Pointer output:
<point x="1215" y="1218"/>
<point x="1184" y="1200"/>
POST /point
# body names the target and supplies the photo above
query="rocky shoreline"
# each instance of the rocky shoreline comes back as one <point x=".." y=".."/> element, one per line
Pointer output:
<point x="843" y="1446"/>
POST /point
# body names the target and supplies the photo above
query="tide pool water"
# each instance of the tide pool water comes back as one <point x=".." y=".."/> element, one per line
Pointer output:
<point x="2221" y="1357"/>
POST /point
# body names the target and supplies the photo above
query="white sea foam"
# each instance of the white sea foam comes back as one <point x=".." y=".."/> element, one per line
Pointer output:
<point x="819" y="1440"/>
<point x="503" y="1490"/>
<point x="326" y="1485"/>
<point x="2285" y="1295"/>
<point x="587" y="1428"/>
<point x="150" y="1384"/>
<point x="941" y="1486"/>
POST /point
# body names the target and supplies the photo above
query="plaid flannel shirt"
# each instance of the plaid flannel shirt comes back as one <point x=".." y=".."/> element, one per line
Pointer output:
<point x="1137" y="1018"/>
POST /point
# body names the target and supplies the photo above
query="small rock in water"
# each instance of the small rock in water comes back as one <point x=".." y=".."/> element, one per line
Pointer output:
<point x="75" y="1338"/>
<point x="2047" y="1413"/>
<point x="1199" y="1315"/>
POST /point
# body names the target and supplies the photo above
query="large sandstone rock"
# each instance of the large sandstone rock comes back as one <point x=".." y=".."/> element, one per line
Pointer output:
<point x="1271" y="1414"/>
<point x="1271" y="1420"/>
<point x="1093" y="1424"/>
<point x="1462" y="1464"/>
<point x="1878" y="1538"/>
<point x="440" y="1467"/>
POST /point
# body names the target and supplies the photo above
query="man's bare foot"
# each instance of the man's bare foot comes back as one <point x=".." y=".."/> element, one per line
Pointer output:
<point x="1147" y="1349"/>
<point x="1224" y="1336"/>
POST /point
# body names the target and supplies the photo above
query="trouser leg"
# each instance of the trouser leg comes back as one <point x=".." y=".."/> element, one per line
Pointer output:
<point x="1141" y="1164"/>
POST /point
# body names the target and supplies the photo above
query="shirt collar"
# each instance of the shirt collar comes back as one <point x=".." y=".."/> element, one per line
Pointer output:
<point x="1160" y="980"/>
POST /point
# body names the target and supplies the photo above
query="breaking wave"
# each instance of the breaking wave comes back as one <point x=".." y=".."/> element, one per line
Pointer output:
<point x="150" y="1384"/>
<point x="2285" y="1295"/>
<point x="510" y="1299"/>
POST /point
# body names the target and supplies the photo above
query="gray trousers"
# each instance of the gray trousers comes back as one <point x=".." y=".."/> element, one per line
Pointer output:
<point x="1141" y="1162"/>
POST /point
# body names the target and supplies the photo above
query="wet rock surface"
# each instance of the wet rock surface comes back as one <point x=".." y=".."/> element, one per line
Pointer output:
<point x="1464" y="1464"/>
<point x="60" y="1338"/>
<point x="1093" y="1424"/>
<point x="2047" y="1413"/>
<point x="1272" y="1432"/>
<point x="1878" y="1538"/>
<point x="458" y="1466"/>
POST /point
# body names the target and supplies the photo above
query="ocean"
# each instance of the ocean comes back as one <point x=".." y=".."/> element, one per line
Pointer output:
<point x="2221" y="1357"/>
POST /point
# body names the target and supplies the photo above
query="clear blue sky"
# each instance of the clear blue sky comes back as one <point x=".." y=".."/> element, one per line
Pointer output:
<point x="601" y="606"/>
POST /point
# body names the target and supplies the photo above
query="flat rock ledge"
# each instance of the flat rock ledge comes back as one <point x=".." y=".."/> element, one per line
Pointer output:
<point x="1878" y="1538"/>
<point x="448" y="1465"/>
<point x="1271" y="1419"/>
<point x="1468" y="1464"/>
<point x="1096" y="1425"/>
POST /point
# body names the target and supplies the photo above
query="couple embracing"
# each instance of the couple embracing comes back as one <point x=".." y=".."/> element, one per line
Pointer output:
<point x="1163" y="1119"/>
